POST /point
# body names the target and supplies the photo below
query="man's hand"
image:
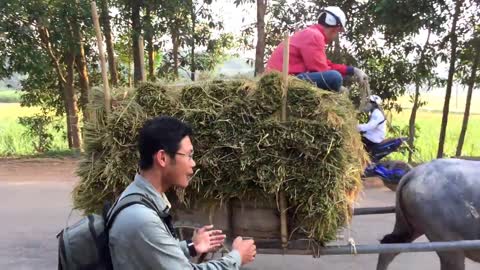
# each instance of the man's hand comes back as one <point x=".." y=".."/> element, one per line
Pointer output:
<point x="361" y="76"/>
<point x="246" y="248"/>
<point x="208" y="240"/>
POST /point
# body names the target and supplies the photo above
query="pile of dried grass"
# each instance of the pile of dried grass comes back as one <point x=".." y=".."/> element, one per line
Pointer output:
<point x="242" y="150"/>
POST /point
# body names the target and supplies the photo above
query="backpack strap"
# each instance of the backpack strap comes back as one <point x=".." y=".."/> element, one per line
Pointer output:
<point x="384" y="118"/>
<point x="138" y="198"/>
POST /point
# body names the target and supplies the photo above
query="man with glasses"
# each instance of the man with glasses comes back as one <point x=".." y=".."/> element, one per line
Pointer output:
<point x="139" y="238"/>
<point x="307" y="57"/>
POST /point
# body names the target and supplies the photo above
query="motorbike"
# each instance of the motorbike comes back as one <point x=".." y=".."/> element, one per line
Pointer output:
<point x="389" y="171"/>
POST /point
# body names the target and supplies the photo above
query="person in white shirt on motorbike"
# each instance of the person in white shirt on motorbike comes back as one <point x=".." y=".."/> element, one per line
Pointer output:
<point x="374" y="131"/>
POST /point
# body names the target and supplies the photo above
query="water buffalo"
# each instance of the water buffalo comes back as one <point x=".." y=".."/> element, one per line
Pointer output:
<point x="440" y="199"/>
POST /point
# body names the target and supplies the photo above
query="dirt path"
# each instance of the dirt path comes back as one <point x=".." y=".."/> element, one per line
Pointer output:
<point x="36" y="202"/>
<point x="38" y="169"/>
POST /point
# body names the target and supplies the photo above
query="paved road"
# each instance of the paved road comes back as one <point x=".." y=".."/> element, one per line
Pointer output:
<point x="32" y="212"/>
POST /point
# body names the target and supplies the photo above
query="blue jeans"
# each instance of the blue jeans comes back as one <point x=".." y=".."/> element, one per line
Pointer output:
<point x="328" y="80"/>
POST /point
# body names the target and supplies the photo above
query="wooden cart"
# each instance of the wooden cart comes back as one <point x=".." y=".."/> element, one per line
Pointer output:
<point x="262" y="223"/>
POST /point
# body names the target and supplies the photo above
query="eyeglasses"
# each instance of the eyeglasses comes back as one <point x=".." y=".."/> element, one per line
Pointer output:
<point x="190" y="156"/>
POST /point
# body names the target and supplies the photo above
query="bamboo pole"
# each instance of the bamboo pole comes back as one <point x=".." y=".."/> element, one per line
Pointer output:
<point x="101" y="53"/>
<point x="373" y="210"/>
<point x="403" y="247"/>
<point x="286" y="55"/>
<point x="304" y="247"/>
<point x="142" y="58"/>
<point x="365" y="93"/>
<point x="282" y="198"/>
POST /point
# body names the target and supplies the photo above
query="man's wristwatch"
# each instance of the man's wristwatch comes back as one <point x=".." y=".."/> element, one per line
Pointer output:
<point x="191" y="248"/>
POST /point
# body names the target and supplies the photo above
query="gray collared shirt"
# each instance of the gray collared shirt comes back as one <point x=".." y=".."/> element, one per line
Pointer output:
<point x="140" y="240"/>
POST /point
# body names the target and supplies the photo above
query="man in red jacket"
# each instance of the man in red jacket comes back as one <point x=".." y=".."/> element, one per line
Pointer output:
<point x="308" y="60"/>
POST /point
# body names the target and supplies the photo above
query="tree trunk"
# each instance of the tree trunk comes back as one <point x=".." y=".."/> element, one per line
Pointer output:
<point x="411" y="122"/>
<point x="451" y="71"/>
<point x="107" y="32"/>
<point x="65" y="84"/>
<point x="194" y="23"/>
<point x="44" y="35"/>
<point x="260" y="49"/>
<point x="71" y="103"/>
<point x="416" y="100"/>
<point x="81" y="65"/>
<point x="150" y="48"/>
<point x="175" y="42"/>
<point x="130" y="68"/>
<point x="466" y="115"/>
<point x="61" y="87"/>
<point x="337" y="50"/>
<point x="151" y="60"/>
<point x="80" y="61"/>
<point x="136" y="31"/>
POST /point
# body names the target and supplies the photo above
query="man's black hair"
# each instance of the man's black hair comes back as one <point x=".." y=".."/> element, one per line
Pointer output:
<point x="160" y="133"/>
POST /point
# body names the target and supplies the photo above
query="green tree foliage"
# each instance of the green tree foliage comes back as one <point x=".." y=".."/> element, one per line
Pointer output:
<point x="54" y="44"/>
<point x="42" y="39"/>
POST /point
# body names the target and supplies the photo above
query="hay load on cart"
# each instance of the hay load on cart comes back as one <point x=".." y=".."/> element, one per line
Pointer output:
<point x="246" y="156"/>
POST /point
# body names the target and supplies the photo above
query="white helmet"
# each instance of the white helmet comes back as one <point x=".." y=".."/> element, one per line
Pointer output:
<point x="332" y="16"/>
<point x="375" y="99"/>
